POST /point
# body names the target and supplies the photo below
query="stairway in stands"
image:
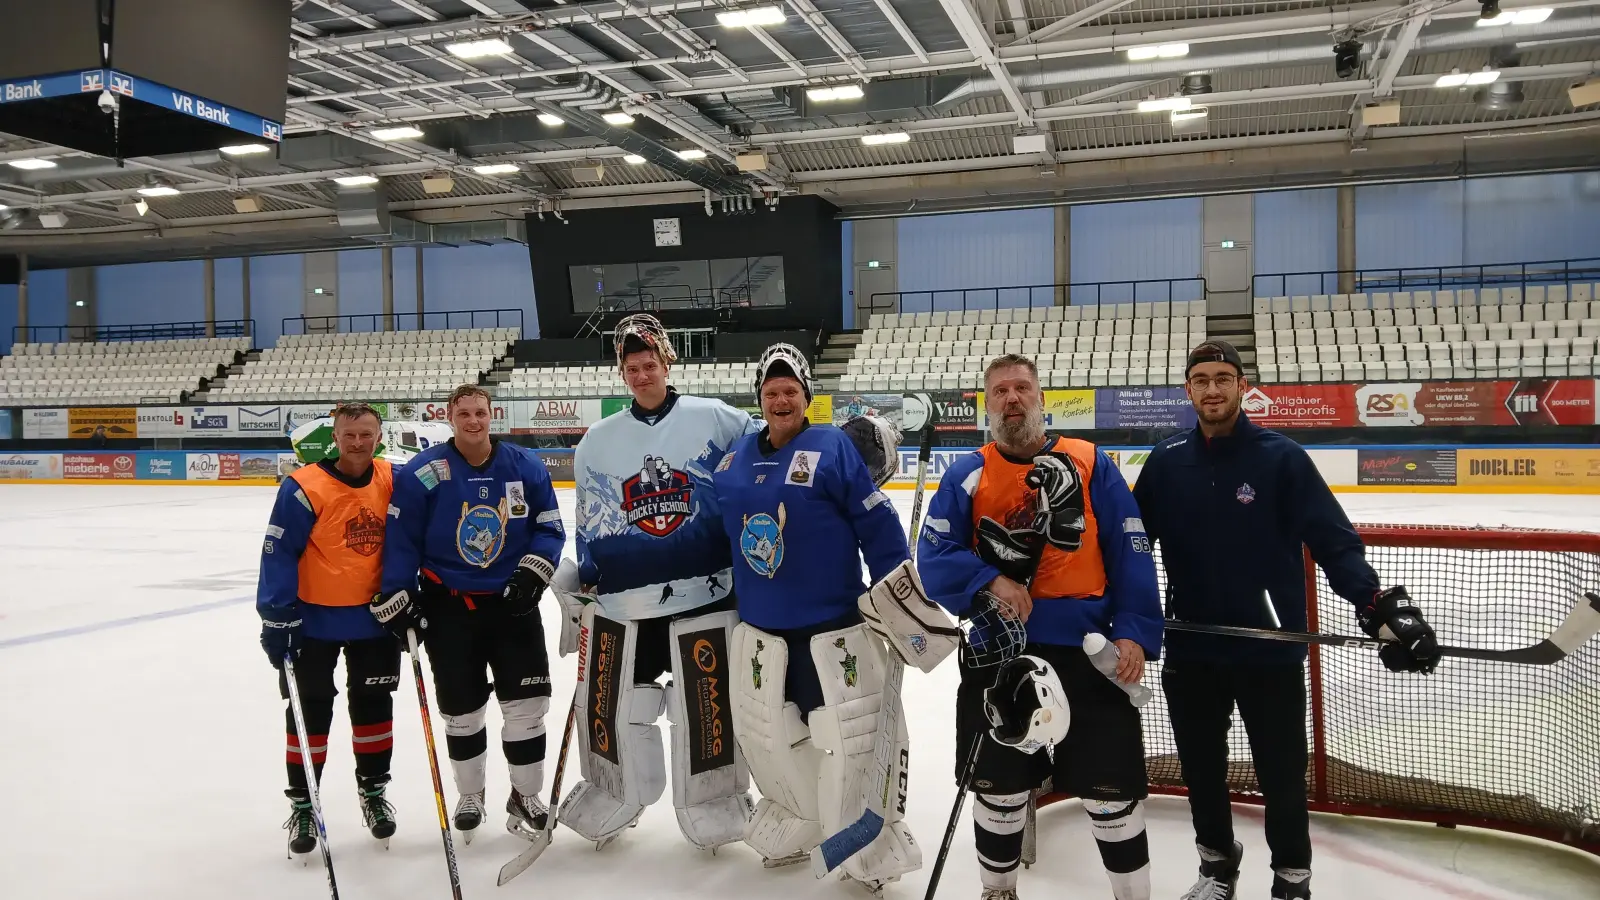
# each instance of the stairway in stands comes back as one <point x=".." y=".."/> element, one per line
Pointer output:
<point x="835" y="359"/>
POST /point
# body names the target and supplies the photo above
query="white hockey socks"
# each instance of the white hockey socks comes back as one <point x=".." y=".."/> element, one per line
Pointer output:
<point x="522" y="737"/>
<point x="1119" y="832"/>
<point x="468" y="746"/>
<point x="997" y="823"/>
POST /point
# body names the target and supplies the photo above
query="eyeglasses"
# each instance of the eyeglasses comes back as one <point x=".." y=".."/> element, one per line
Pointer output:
<point x="1222" y="382"/>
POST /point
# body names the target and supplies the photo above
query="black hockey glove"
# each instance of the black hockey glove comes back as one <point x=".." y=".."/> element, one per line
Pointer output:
<point x="280" y="634"/>
<point x="1015" y="552"/>
<point x="397" y="614"/>
<point x="1394" y="618"/>
<point x="1055" y="477"/>
<point x="527" y="584"/>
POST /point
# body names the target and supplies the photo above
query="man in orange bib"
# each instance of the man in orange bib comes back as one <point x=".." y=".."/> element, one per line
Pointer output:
<point x="320" y="565"/>
<point x="1043" y="531"/>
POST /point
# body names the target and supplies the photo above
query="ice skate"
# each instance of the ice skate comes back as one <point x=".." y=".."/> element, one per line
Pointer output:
<point x="377" y="813"/>
<point x="606" y="841"/>
<point x="999" y="894"/>
<point x="526" y="816"/>
<point x="469" y="815"/>
<point x="781" y="861"/>
<point x="1285" y="889"/>
<point x="302" y="827"/>
<point x="1218" y="875"/>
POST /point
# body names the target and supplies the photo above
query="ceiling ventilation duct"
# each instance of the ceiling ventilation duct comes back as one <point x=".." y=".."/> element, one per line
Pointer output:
<point x="1502" y="94"/>
<point x="1196" y="83"/>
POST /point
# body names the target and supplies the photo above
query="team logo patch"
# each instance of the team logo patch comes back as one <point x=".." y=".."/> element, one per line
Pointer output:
<point x="848" y="664"/>
<point x="481" y="533"/>
<point x="727" y="460"/>
<point x="919" y="643"/>
<point x="658" y="499"/>
<point x="1246" y="494"/>
<point x="363" y="532"/>
<point x="803" y="468"/>
<point x="755" y="665"/>
<point x="761" y="542"/>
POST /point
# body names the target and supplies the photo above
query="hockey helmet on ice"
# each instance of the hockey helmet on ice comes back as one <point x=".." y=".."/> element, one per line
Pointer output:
<point x="1026" y="706"/>
<point x="642" y="331"/>
<point x="878" y="442"/>
<point x="783" y="360"/>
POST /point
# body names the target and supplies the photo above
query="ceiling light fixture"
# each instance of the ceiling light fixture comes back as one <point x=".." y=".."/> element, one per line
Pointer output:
<point x="355" y="180"/>
<point x="478" y="49"/>
<point x="552" y="121"/>
<point x="692" y="153"/>
<point x="245" y="149"/>
<point x="1454" y="79"/>
<point x="836" y="92"/>
<point x="1165" y="104"/>
<point x="402" y="133"/>
<point x="1487" y="76"/>
<point x="497" y="169"/>
<point x="1157" y="51"/>
<point x="617" y="118"/>
<point x="1517" y="17"/>
<point x="752" y="17"/>
<point x="158" y="190"/>
<point x="1346" y="58"/>
<point x="1186" y="115"/>
<point x="32" y="164"/>
<point x="634" y="159"/>
<point x="893" y="137"/>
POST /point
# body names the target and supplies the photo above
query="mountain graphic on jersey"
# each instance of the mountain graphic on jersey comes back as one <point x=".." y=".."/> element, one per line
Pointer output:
<point x="363" y="532"/>
<point x="658" y="498"/>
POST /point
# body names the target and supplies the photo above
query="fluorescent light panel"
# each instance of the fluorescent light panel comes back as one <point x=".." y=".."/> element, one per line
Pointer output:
<point x="479" y="49"/>
<point x="159" y="190"/>
<point x="1489" y="77"/>
<point x="751" y="17"/>
<point x="355" y="180"/>
<point x="1184" y="115"/>
<point x="1457" y="79"/>
<point x="246" y="149"/>
<point x="1517" y="17"/>
<point x="893" y="137"/>
<point x="633" y="159"/>
<point x="552" y="121"/>
<point x="1157" y="51"/>
<point x="692" y="153"/>
<point x="402" y="133"/>
<point x="1165" y="104"/>
<point x="837" y="92"/>
<point x="32" y="164"/>
<point x="617" y="118"/>
<point x="497" y="169"/>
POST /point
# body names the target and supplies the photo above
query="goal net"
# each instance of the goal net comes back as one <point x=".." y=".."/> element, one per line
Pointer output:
<point x="1490" y="744"/>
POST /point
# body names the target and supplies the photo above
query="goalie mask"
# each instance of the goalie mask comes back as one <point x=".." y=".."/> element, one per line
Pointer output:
<point x="1026" y="706"/>
<point x="878" y="442"/>
<point x="642" y="331"/>
<point x="783" y="360"/>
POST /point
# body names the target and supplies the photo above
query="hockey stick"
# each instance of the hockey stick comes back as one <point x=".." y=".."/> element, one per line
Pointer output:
<point x="1581" y="624"/>
<point x="854" y="837"/>
<point x="531" y="855"/>
<point x="433" y="765"/>
<point x="963" y="784"/>
<point x="311" y="771"/>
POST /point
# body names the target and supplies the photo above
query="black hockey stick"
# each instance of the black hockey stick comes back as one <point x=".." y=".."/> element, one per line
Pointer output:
<point x="311" y="771"/>
<point x="1581" y="624"/>
<point x="963" y="784"/>
<point x="433" y="765"/>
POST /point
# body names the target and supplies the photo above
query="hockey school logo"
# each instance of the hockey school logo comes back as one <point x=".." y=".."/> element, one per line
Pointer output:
<point x="761" y="542"/>
<point x="1246" y="494"/>
<point x="848" y="664"/>
<point x="363" y="532"/>
<point x="481" y="533"/>
<point x="658" y="498"/>
<point x="755" y="665"/>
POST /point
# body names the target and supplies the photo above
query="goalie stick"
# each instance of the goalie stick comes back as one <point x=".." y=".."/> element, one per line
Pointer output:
<point x="853" y="838"/>
<point x="1581" y="624"/>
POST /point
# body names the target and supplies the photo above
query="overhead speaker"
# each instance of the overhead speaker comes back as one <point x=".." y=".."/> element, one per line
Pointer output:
<point x="751" y="161"/>
<point x="438" y="184"/>
<point x="1584" y="94"/>
<point x="1385" y="113"/>
<point x="594" y="173"/>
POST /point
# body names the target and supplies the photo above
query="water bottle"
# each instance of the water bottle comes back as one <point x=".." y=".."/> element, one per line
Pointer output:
<point x="1103" y="654"/>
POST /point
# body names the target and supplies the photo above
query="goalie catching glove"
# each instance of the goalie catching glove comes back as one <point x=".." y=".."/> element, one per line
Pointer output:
<point x="569" y="593"/>
<point x="915" y="628"/>
<point x="526" y="585"/>
<point x="1393" y="617"/>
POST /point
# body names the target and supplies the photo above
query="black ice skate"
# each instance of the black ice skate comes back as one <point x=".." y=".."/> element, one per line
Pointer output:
<point x="1284" y="889"/>
<point x="302" y="827"/>
<point x="526" y="816"/>
<point x="1218" y="876"/>
<point x="999" y="894"/>
<point x="377" y="813"/>
<point x="469" y="815"/>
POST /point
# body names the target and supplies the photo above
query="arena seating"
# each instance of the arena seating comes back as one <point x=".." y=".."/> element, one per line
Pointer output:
<point x="375" y="365"/>
<point x="724" y="379"/>
<point x="114" y="371"/>
<point x="1507" y="332"/>
<point x="1074" y="346"/>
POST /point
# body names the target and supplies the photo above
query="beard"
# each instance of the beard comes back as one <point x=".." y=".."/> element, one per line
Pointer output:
<point x="1229" y="408"/>
<point x="1028" y="433"/>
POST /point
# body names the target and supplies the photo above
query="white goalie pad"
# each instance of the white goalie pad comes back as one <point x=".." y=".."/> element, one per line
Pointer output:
<point x="899" y="611"/>
<point x="851" y="666"/>
<point x="710" y="784"/>
<point x="619" y="745"/>
<point x="777" y="746"/>
<point x="569" y="593"/>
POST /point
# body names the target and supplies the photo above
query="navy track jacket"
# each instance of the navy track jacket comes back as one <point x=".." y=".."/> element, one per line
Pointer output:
<point x="1230" y="516"/>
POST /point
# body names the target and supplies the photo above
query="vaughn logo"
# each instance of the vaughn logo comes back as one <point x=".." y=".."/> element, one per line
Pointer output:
<point x="657" y="499"/>
<point x="268" y="421"/>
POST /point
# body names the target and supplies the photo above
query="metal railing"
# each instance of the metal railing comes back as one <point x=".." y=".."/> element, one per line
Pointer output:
<point x="1155" y="290"/>
<point x="1427" y="278"/>
<point x="399" y="321"/>
<point x="154" y="331"/>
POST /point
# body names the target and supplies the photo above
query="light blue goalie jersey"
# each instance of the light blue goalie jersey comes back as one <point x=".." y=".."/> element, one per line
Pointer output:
<point x="649" y="533"/>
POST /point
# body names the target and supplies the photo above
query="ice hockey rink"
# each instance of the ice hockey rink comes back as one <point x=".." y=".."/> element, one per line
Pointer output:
<point x="141" y="749"/>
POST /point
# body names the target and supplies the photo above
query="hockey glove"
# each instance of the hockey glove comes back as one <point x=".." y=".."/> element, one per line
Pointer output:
<point x="1055" y="477"/>
<point x="280" y="634"/>
<point x="1015" y="552"/>
<point x="1394" y="618"/>
<point x="527" y="584"/>
<point x="397" y="614"/>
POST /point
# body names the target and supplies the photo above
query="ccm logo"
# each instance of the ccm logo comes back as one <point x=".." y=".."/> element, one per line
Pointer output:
<point x="384" y="679"/>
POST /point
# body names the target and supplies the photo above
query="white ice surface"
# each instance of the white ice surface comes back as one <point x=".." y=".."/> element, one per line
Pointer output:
<point x="141" y="745"/>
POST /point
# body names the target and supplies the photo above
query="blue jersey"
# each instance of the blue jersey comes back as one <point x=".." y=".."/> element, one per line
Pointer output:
<point x="649" y="539"/>
<point x="468" y="526"/>
<point x="798" y="521"/>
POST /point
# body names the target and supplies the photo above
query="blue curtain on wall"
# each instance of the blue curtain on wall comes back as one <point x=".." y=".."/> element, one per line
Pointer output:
<point x="847" y="246"/>
<point x="1295" y="231"/>
<point x="151" y="293"/>
<point x="1136" y="241"/>
<point x="496" y="276"/>
<point x="1409" y="225"/>
<point x="8" y="316"/>
<point x="277" y="291"/>
<point x="945" y="254"/>
<point x="1529" y="218"/>
<point x="47" y="300"/>
<point x="230" y="290"/>
<point x="361" y="287"/>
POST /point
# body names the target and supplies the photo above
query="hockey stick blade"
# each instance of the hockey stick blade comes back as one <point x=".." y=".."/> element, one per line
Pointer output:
<point x="526" y="858"/>
<point x="1582" y="624"/>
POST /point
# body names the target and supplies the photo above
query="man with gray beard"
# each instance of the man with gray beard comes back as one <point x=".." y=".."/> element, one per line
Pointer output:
<point x="1044" y="531"/>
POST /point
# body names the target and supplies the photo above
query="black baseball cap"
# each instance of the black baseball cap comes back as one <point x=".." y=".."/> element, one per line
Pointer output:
<point x="1214" y="351"/>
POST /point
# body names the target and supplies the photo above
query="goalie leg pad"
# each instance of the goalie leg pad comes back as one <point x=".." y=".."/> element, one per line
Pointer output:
<point x="915" y="627"/>
<point x="619" y="745"/>
<point x="777" y="746"/>
<point x="851" y="665"/>
<point x="710" y="783"/>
